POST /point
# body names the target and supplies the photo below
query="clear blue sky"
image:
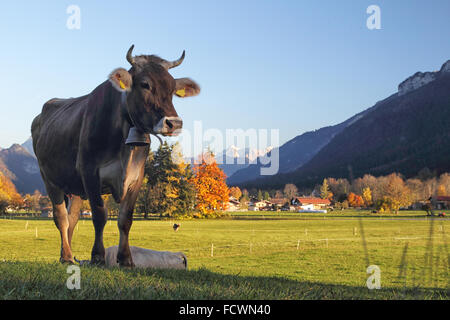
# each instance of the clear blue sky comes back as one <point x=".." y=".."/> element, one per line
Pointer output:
<point x="292" y="65"/>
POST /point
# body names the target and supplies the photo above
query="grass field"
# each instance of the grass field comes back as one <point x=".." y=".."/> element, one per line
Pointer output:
<point x="247" y="256"/>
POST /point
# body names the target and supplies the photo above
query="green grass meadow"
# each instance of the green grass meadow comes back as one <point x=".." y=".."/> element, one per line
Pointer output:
<point x="245" y="256"/>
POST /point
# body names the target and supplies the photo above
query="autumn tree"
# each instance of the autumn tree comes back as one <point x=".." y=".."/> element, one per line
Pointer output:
<point x="444" y="180"/>
<point x="279" y="194"/>
<point x="415" y="187"/>
<point x="367" y="196"/>
<point x="209" y="182"/>
<point x="27" y="203"/>
<point x="441" y="190"/>
<point x="9" y="197"/>
<point x="355" y="200"/>
<point x="397" y="193"/>
<point x="290" y="191"/>
<point x="235" y="192"/>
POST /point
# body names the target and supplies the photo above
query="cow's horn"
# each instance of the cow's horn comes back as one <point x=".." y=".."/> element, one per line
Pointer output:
<point x="130" y="58"/>
<point x="172" y="64"/>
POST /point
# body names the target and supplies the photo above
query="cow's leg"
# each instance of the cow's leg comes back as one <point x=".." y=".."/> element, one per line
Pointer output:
<point x="74" y="214"/>
<point x="92" y="186"/>
<point x="124" y="223"/>
<point x="99" y="218"/>
<point x="60" y="217"/>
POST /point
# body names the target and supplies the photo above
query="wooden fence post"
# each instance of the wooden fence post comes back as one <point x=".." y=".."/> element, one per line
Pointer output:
<point x="212" y="249"/>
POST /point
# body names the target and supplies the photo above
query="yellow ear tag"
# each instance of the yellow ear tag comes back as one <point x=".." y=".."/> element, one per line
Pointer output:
<point x="121" y="84"/>
<point x="181" y="92"/>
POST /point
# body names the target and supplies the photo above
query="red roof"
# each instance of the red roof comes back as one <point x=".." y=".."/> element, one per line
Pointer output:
<point x="305" y="200"/>
<point x="443" y="198"/>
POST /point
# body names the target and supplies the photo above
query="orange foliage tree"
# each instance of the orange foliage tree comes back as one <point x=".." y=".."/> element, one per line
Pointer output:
<point x="8" y="194"/>
<point x="236" y="192"/>
<point x="354" y="200"/>
<point x="212" y="192"/>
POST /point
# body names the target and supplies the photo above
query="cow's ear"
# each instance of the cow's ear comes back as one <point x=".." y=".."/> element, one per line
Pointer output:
<point x="121" y="79"/>
<point x="186" y="87"/>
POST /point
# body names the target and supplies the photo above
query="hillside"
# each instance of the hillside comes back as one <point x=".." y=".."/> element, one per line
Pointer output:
<point x="404" y="133"/>
<point x="22" y="168"/>
<point x="299" y="150"/>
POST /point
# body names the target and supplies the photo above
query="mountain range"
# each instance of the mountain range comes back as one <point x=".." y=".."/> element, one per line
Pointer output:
<point x="403" y="133"/>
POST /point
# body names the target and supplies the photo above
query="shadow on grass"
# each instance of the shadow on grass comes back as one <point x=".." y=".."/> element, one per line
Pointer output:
<point x="38" y="280"/>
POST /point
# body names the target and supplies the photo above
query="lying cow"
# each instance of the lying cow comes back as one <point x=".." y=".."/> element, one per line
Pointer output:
<point x="146" y="258"/>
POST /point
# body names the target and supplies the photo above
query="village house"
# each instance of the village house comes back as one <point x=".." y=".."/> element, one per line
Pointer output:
<point x="47" y="212"/>
<point x="441" y="202"/>
<point x="86" y="213"/>
<point x="258" y="205"/>
<point x="278" y="203"/>
<point x="233" y="204"/>
<point x="310" y="203"/>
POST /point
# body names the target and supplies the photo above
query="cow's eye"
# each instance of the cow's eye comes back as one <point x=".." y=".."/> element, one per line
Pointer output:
<point x="145" y="85"/>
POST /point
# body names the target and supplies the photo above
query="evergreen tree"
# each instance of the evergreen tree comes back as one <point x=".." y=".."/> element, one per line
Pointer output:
<point x="166" y="189"/>
<point x="260" y="195"/>
<point x="324" y="190"/>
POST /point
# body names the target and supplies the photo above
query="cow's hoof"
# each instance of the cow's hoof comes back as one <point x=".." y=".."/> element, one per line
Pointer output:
<point x="126" y="263"/>
<point x="66" y="261"/>
<point x="82" y="262"/>
<point x="97" y="261"/>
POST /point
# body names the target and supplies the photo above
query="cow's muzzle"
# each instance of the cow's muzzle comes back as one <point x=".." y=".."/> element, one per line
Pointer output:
<point x="169" y="126"/>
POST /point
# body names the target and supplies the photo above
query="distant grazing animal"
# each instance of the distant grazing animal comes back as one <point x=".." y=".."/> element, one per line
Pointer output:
<point x="176" y="227"/>
<point x="81" y="150"/>
<point x="146" y="258"/>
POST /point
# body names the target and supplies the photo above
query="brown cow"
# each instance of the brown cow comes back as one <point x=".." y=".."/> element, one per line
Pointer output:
<point x="81" y="150"/>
